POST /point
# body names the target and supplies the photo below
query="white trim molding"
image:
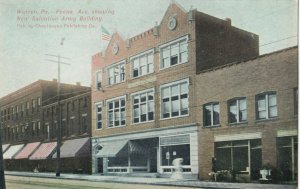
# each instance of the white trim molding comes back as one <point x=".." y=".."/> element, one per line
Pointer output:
<point x="231" y="137"/>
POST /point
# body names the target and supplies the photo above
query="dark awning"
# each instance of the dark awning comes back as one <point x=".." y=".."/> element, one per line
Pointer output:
<point x="75" y="148"/>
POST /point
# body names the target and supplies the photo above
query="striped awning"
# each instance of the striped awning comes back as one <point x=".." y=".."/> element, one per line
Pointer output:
<point x="112" y="148"/>
<point x="75" y="148"/>
<point x="5" y="147"/>
<point x="44" y="151"/>
<point x="12" y="150"/>
<point x="27" y="150"/>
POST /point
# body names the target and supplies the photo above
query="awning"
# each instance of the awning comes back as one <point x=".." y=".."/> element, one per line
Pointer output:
<point x="44" y="151"/>
<point x="136" y="148"/>
<point x="12" y="150"/>
<point x="75" y="148"/>
<point x="5" y="147"/>
<point x="111" y="149"/>
<point x="27" y="150"/>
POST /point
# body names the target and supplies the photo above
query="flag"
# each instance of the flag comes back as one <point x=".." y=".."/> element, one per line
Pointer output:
<point x="105" y="34"/>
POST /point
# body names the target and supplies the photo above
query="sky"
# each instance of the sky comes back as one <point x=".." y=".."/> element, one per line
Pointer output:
<point x="31" y="29"/>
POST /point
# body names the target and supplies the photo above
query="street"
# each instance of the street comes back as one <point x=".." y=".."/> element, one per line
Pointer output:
<point x="18" y="182"/>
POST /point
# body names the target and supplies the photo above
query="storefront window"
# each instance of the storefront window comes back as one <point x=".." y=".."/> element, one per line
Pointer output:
<point x="169" y="153"/>
<point x="234" y="155"/>
<point x="288" y="157"/>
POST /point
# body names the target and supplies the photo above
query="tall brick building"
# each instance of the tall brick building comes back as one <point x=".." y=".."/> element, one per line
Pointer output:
<point x="29" y="125"/>
<point x="193" y="87"/>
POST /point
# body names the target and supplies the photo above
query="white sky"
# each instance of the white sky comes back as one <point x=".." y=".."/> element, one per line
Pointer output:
<point x="22" y="50"/>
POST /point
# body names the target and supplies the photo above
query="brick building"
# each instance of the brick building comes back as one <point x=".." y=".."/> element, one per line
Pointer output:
<point x="28" y="126"/>
<point x="190" y="87"/>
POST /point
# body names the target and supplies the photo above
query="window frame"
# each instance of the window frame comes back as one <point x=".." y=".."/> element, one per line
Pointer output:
<point x="211" y="104"/>
<point x="120" y="114"/>
<point x="113" y="66"/>
<point x="169" y="85"/>
<point x="237" y="101"/>
<point x="267" y="106"/>
<point x="98" y="79"/>
<point x="139" y="93"/>
<point x="97" y="121"/>
<point x="139" y="56"/>
<point x="184" y="38"/>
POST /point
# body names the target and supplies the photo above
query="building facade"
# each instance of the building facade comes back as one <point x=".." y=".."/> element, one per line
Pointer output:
<point x="194" y="87"/>
<point x="29" y="126"/>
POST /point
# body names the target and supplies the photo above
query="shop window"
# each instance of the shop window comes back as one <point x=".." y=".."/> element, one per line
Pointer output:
<point x="234" y="155"/>
<point x="287" y="149"/>
<point x="169" y="153"/>
<point x="266" y="106"/>
<point x="211" y="114"/>
<point x="237" y="111"/>
<point x="143" y="106"/>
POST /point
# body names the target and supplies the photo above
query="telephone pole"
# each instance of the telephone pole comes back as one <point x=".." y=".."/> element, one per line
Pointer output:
<point x="2" y="177"/>
<point x="58" y="130"/>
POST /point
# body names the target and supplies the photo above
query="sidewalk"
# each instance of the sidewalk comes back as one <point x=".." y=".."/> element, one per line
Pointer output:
<point x="153" y="181"/>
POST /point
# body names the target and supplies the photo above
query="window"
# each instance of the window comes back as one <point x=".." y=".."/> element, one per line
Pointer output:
<point x="116" y="73"/>
<point x="174" y="99"/>
<point x="173" y="53"/>
<point x="98" y="80"/>
<point x="237" y="111"/>
<point x="116" y="112"/>
<point x="240" y="155"/>
<point x="211" y="114"/>
<point x="143" y="107"/>
<point x="266" y="106"/>
<point x="142" y="64"/>
<point x="84" y="124"/>
<point x="99" y="116"/>
<point x="39" y="101"/>
<point x="287" y="149"/>
<point x="295" y="101"/>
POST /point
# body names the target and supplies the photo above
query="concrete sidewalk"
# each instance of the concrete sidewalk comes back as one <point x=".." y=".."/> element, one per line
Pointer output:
<point x="153" y="181"/>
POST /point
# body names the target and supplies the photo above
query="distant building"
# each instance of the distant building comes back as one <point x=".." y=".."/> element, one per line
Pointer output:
<point x="193" y="87"/>
<point x="29" y="126"/>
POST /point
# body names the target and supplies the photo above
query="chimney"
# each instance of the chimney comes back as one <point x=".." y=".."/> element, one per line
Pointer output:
<point x="228" y="21"/>
<point x="78" y="83"/>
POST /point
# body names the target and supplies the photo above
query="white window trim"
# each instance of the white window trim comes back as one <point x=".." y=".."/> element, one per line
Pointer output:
<point x="151" y="51"/>
<point x="184" y="37"/>
<point x="168" y="85"/>
<point x="107" y="109"/>
<point x="97" y="78"/>
<point x="238" y="110"/>
<point x="113" y="65"/>
<point x="266" y="95"/>
<point x="140" y="92"/>
<point x="211" y="104"/>
<point x="96" y="105"/>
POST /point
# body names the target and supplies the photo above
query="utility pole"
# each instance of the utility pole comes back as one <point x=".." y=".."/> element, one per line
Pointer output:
<point x="58" y="130"/>
<point x="2" y="177"/>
